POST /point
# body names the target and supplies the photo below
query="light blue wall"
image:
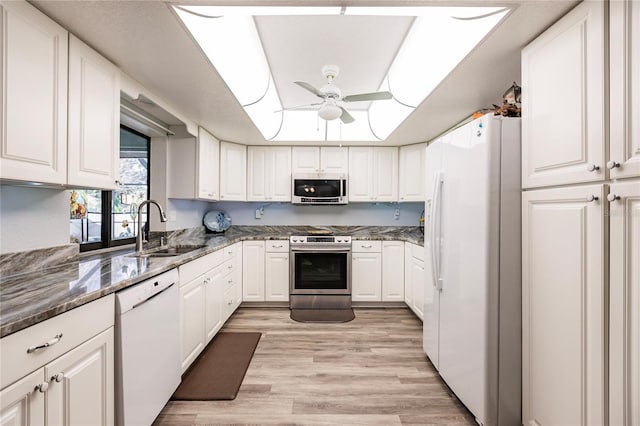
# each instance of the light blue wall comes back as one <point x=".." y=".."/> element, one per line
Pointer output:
<point x="351" y="214"/>
<point x="33" y="218"/>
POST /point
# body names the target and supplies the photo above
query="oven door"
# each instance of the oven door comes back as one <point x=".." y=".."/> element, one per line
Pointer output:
<point x="320" y="271"/>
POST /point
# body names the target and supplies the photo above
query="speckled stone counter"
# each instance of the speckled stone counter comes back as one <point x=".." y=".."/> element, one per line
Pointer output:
<point x="30" y="294"/>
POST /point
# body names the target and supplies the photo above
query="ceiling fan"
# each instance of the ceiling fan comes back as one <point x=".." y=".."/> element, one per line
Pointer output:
<point x="332" y="95"/>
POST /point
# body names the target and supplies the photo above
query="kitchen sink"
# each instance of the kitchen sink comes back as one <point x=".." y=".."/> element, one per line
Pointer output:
<point x="168" y="251"/>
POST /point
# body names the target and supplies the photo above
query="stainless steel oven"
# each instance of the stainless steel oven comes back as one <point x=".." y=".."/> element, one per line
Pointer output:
<point x="320" y="273"/>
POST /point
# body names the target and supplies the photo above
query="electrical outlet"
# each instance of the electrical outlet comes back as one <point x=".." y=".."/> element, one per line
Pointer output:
<point x="396" y="215"/>
<point x="259" y="213"/>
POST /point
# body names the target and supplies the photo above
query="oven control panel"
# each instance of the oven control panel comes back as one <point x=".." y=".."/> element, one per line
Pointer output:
<point x="320" y="239"/>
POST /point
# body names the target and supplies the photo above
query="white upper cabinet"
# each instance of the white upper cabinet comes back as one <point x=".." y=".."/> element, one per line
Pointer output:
<point x="373" y="174"/>
<point x="208" y="182"/>
<point x="411" y="173"/>
<point x="194" y="165"/>
<point x="325" y="159"/>
<point x="563" y="108"/>
<point x="624" y="77"/>
<point x="233" y="172"/>
<point x="94" y="119"/>
<point x="34" y="96"/>
<point x="269" y="173"/>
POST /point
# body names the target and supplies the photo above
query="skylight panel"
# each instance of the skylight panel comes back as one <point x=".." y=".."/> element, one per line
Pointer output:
<point x="439" y="39"/>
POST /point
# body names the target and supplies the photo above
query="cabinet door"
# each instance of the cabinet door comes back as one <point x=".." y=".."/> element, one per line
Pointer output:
<point x="624" y="77"/>
<point x="238" y="275"/>
<point x="411" y="177"/>
<point x="305" y="159"/>
<point x="192" y="315"/>
<point x="385" y="173"/>
<point x="392" y="271"/>
<point x="214" y="286"/>
<point x="233" y="172"/>
<point x="417" y="285"/>
<point x="334" y="159"/>
<point x="563" y="306"/>
<point x="366" y="277"/>
<point x="360" y="174"/>
<point x="22" y="403"/>
<point x="208" y="165"/>
<point x="81" y="388"/>
<point x="277" y="277"/>
<point x="253" y="271"/>
<point x="34" y="96"/>
<point x="624" y="311"/>
<point x="94" y="118"/>
<point x="565" y="66"/>
<point x="280" y="173"/>
<point x="408" y="289"/>
<point x="257" y="173"/>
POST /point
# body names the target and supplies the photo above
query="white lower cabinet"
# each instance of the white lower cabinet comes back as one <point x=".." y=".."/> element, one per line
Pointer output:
<point x="417" y="286"/>
<point x="277" y="277"/>
<point x="414" y="281"/>
<point x="214" y="287"/>
<point x="205" y="284"/>
<point x="193" y="320"/>
<point x="408" y="288"/>
<point x="624" y="303"/>
<point x="563" y="306"/>
<point x="71" y="381"/>
<point x="253" y="271"/>
<point x="392" y="271"/>
<point x="366" y="271"/>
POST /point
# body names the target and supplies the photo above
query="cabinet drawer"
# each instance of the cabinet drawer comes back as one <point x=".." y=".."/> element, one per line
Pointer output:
<point x="190" y="271"/>
<point x="276" y="246"/>
<point x="76" y="326"/>
<point x="231" y="251"/>
<point x="366" y="246"/>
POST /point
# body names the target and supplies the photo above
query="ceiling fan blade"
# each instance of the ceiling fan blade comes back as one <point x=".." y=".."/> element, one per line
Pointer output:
<point x="374" y="96"/>
<point x="299" y="106"/>
<point x="346" y="117"/>
<point x="310" y="88"/>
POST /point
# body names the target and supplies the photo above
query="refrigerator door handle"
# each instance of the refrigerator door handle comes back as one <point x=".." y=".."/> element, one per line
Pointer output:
<point x="433" y="227"/>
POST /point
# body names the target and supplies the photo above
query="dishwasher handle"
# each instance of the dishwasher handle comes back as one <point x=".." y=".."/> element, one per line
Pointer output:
<point x="153" y="296"/>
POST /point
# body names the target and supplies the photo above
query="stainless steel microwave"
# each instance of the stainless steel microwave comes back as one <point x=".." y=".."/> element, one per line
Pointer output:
<point x="319" y="189"/>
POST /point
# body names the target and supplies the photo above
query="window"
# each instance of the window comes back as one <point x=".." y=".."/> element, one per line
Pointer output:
<point x="100" y="219"/>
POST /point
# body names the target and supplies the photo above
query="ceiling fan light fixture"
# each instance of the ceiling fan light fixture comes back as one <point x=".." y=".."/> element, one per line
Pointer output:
<point x="330" y="111"/>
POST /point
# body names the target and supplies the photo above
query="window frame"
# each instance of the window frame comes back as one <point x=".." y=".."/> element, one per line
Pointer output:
<point x="106" y="237"/>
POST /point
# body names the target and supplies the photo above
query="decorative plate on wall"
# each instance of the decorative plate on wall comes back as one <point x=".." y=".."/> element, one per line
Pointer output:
<point x="217" y="221"/>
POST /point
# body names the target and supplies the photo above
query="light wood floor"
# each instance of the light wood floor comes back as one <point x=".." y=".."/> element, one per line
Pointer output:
<point x="369" y="371"/>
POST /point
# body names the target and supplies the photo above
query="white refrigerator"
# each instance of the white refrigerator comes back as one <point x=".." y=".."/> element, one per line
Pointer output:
<point x="472" y="308"/>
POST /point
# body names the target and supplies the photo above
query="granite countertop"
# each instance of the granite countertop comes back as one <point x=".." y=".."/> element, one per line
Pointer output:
<point x="27" y="298"/>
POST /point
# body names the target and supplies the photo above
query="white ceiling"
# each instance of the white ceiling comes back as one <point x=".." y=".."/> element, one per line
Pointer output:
<point x="148" y="42"/>
<point x="297" y="47"/>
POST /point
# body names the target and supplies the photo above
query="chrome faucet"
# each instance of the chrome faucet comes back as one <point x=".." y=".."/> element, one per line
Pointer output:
<point x="139" y="239"/>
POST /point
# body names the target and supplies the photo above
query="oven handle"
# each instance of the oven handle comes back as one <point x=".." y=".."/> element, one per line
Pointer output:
<point x="320" y="250"/>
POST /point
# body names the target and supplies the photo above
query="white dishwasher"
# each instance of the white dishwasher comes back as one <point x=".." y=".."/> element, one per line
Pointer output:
<point x="147" y="348"/>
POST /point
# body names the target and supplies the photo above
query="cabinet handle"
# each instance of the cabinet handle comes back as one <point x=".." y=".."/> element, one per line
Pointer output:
<point x="612" y="165"/>
<point x="42" y="387"/>
<point x="368" y="246"/>
<point x="230" y="267"/>
<point x="592" y="168"/>
<point x="591" y="198"/>
<point x="230" y="302"/>
<point x="274" y="246"/>
<point x="221" y="196"/>
<point x="613" y="197"/>
<point x="57" y="378"/>
<point x="51" y="342"/>
<point x="230" y="281"/>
